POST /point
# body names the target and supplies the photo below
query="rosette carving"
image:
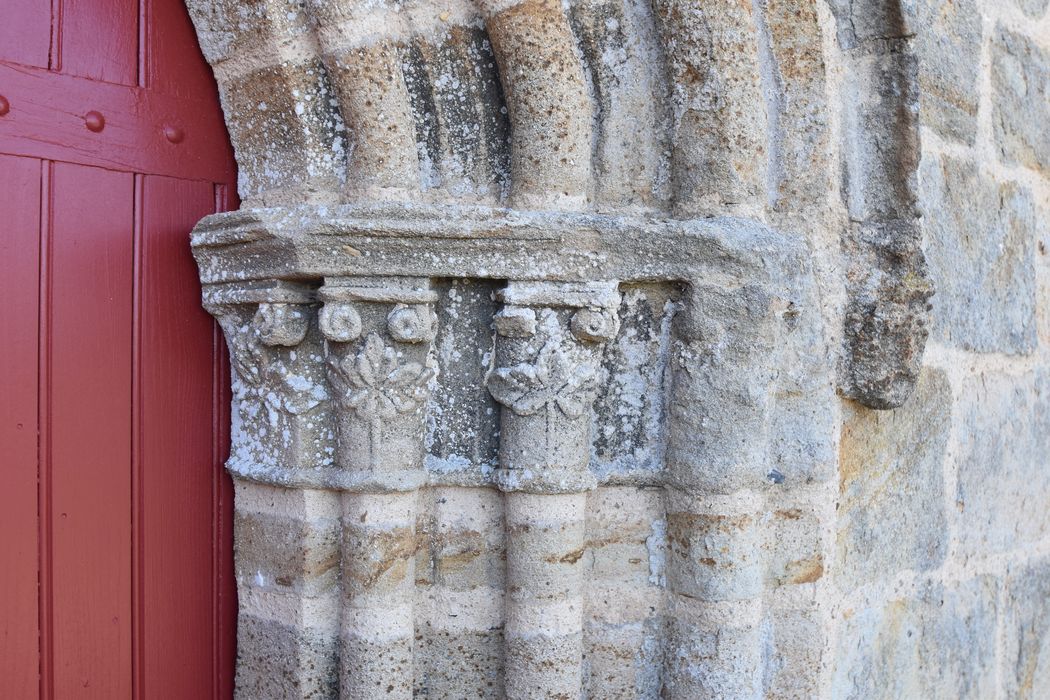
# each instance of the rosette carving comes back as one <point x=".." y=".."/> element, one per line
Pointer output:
<point x="375" y="384"/>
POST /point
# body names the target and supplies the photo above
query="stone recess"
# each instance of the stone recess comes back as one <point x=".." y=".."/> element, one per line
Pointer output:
<point x="579" y="349"/>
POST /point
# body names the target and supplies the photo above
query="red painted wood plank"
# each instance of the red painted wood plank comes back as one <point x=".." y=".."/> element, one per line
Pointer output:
<point x="225" y="633"/>
<point x="25" y="32"/>
<point x="174" y="64"/>
<point x="176" y="461"/>
<point x="99" y="40"/>
<point x="91" y="320"/>
<point x="44" y="439"/>
<point x="46" y="120"/>
<point x="226" y="584"/>
<point x="20" y="251"/>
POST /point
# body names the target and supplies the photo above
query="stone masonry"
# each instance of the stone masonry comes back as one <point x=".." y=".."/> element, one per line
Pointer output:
<point x="637" y="348"/>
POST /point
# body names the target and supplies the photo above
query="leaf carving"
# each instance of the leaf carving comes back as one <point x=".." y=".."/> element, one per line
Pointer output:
<point x="558" y="376"/>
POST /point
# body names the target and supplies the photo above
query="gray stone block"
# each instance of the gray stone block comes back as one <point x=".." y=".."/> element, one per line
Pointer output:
<point x="938" y="645"/>
<point x="979" y="242"/>
<point x="1004" y="485"/>
<point x="1021" y="95"/>
<point x="949" y="52"/>
<point x="1032" y="8"/>
<point x="891" y="503"/>
<point x="1026" y="662"/>
<point x="275" y="660"/>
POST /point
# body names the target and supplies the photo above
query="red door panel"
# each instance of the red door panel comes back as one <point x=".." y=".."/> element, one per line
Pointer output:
<point x="177" y="446"/>
<point x="25" y="32"/>
<point x="115" y="511"/>
<point x="167" y="26"/>
<point x="90" y="279"/>
<point x="19" y="288"/>
<point x="99" y="39"/>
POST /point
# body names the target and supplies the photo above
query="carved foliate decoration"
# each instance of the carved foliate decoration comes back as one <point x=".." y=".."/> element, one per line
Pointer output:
<point x="380" y="383"/>
<point x="546" y="376"/>
<point x="560" y="375"/>
<point x="246" y="353"/>
<point x="279" y="393"/>
<point x="375" y="384"/>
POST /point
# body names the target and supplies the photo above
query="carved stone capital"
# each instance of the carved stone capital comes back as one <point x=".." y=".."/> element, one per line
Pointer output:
<point x="279" y="393"/>
<point x="546" y="377"/>
<point x="377" y="350"/>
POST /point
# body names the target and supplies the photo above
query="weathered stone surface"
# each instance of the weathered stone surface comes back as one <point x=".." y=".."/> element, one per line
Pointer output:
<point x="882" y="137"/>
<point x="288" y="141"/>
<point x="949" y="52"/>
<point x="891" y="510"/>
<point x="1021" y="94"/>
<point x="887" y="282"/>
<point x="723" y="369"/>
<point x="583" y="446"/>
<point x="795" y="640"/>
<point x="617" y="39"/>
<point x="1033" y="8"/>
<point x="980" y="245"/>
<point x="1004" y="486"/>
<point x="718" y="113"/>
<point x="1026" y="662"/>
<point x="794" y="546"/>
<point x="287" y="552"/>
<point x="228" y="27"/>
<point x="280" y="660"/>
<point x="887" y="315"/>
<point x="713" y="651"/>
<point x="938" y="645"/>
<point x="869" y="23"/>
<point x="798" y="118"/>
<point x="551" y="114"/>
<point x="630" y="426"/>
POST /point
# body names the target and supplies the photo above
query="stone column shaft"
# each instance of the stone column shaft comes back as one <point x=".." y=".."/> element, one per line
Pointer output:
<point x="725" y="363"/>
<point x="286" y="539"/>
<point x="378" y="333"/>
<point x="546" y="377"/>
<point x="544" y="628"/>
<point x="378" y="623"/>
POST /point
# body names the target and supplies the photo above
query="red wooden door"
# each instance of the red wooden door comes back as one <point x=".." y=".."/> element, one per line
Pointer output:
<point x="115" y="542"/>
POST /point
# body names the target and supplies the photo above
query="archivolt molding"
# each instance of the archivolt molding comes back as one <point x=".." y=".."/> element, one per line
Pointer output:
<point x="517" y="254"/>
